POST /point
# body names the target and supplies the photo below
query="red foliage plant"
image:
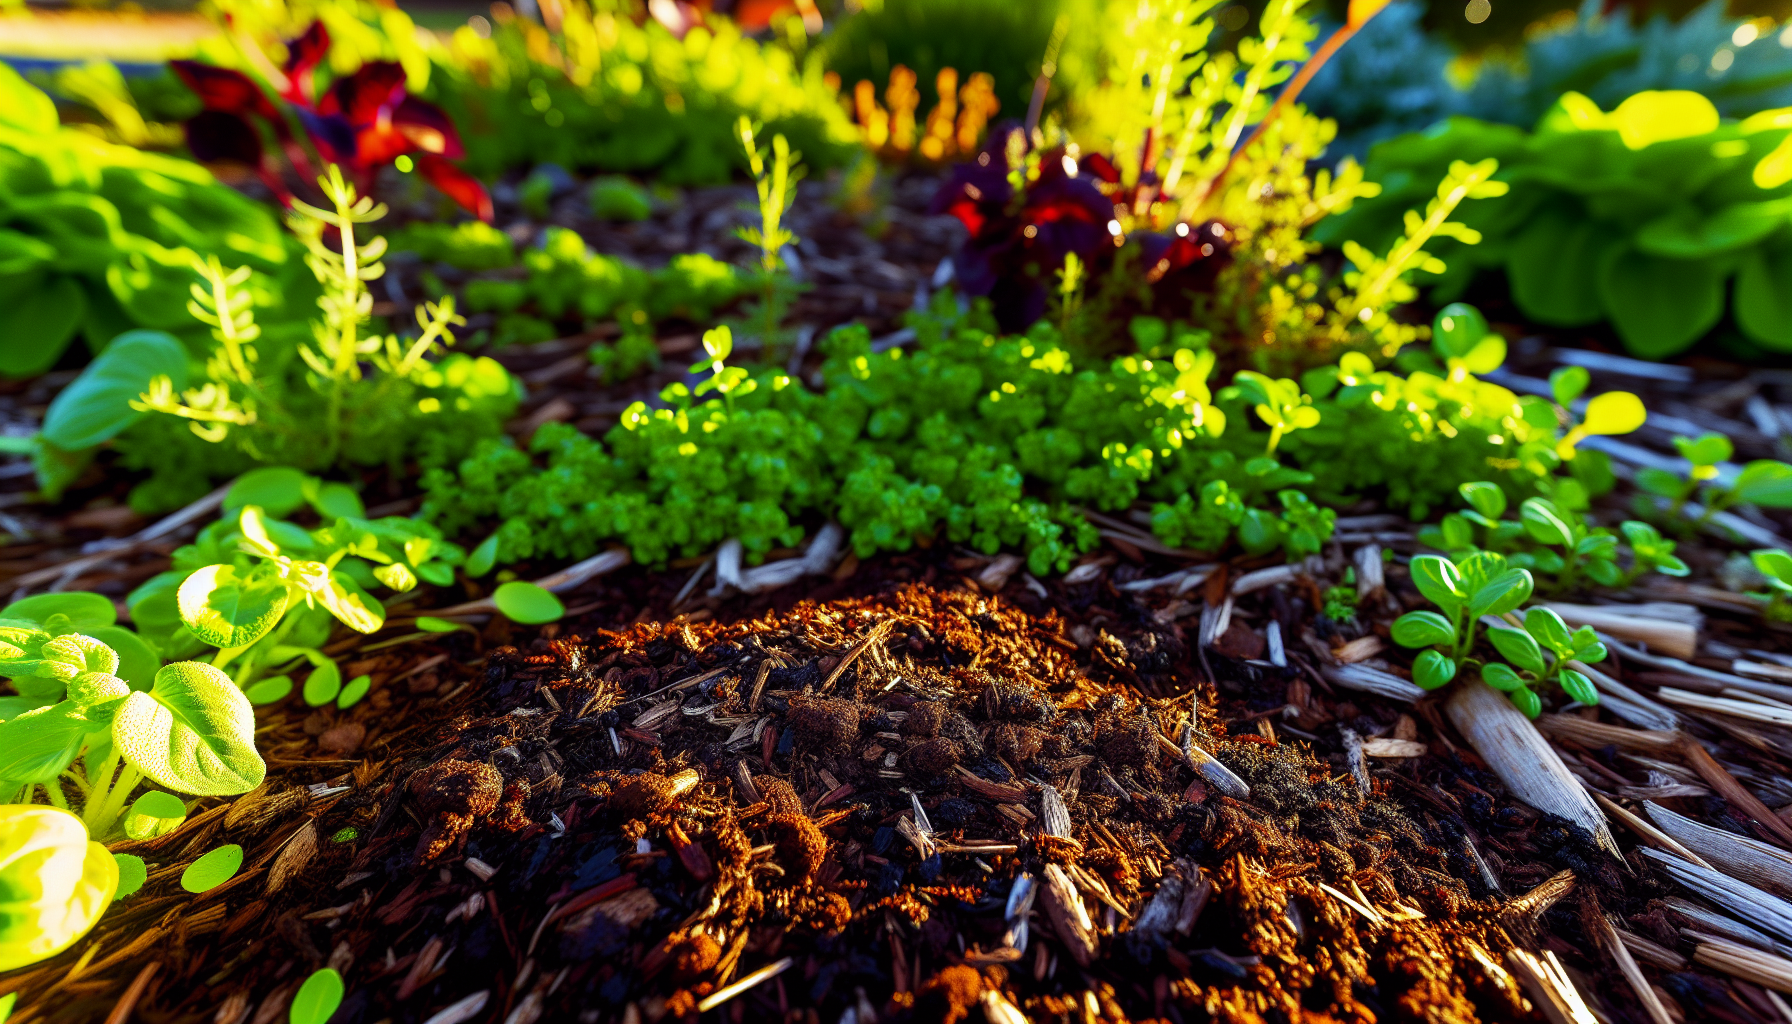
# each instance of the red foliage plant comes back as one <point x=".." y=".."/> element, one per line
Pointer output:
<point x="361" y="122"/>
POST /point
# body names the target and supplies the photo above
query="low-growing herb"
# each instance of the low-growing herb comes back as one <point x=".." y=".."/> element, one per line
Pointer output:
<point x="55" y="882"/>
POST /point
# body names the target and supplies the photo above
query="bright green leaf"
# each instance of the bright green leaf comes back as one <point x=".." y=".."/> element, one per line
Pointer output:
<point x="83" y="609"/>
<point x="1765" y="482"/>
<point x="1545" y="523"/>
<point x="1423" y="629"/>
<point x="277" y="490"/>
<point x="431" y="624"/>
<point x="1526" y="700"/>
<point x="1615" y="412"/>
<point x="355" y="689"/>
<point x="228" y="609"/>
<point x="1431" y="670"/>
<point x="154" y="814"/>
<point x="1438" y="579"/>
<point x="1517" y="647"/>
<point x="317" y="999"/>
<point x="132" y="873"/>
<point x="323" y="684"/>
<point x="96" y="407"/>
<point x="55" y="883"/>
<point x="1568" y="383"/>
<point x="212" y="869"/>
<point x="1501" y="677"/>
<point x="194" y="732"/>
<point x="527" y="603"/>
<point x="1502" y="594"/>
<point x="269" y="690"/>
<point x="1486" y="498"/>
<point x="1579" y="687"/>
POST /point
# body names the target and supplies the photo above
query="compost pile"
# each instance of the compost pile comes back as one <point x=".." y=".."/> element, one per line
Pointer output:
<point x="898" y="806"/>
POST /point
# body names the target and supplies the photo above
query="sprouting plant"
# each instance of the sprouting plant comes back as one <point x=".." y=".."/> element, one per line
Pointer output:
<point x="57" y="882"/>
<point x="1766" y="482"/>
<point x="1569" y="548"/>
<point x="1280" y="404"/>
<point x="1703" y="454"/>
<point x="190" y="731"/>
<point x="1543" y="650"/>
<point x="1483" y="583"/>
<point x="776" y="189"/>
<point x="1776" y="566"/>
<point x="1340" y="601"/>
<point x="724" y="380"/>
<point x="1614" y="412"/>
<point x="1378" y="283"/>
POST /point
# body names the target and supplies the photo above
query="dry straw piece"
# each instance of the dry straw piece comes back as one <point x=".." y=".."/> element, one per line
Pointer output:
<point x="1750" y="860"/>
<point x="1764" y="910"/>
<point x="1523" y="759"/>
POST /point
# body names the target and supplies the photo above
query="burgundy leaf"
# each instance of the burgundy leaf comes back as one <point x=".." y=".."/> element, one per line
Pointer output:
<point x="225" y="91"/>
<point x="428" y="128"/>
<point x="333" y="136"/>
<point x="362" y="97"/>
<point x="1101" y="167"/>
<point x="302" y="56"/>
<point x="215" y="136"/>
<point x="457" y="184"/>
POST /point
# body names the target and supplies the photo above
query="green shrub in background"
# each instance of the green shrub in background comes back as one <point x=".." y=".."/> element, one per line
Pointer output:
<point x="1396" y="77"/>
<point x="98" y="238"/>
<point x="1643" y="217"/>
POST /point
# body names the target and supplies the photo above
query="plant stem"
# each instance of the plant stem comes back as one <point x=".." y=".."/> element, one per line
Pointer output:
<point x="98" y="794"/>
<point x="112" y="803"/>
<point x="53" y="790"/>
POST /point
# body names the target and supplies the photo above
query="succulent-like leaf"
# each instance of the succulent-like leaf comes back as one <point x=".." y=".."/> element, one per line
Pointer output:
<point x="1501" y="677"/>
<point x="1438" y="579"/>
<point x="1526" y="700"/>
<point x="1486" y="498"/>
<point x="1502" y="594"/>
<point x="1517" y="646"/>
<point x="1432" y="670"/>
<point x="1546" y="523"/>
<point x="1423" y="629"/>
<point x="1579" y="687"/>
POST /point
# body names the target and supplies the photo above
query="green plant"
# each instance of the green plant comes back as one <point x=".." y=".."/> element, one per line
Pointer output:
<point x="613" y="197"/>
<point x="1542" y="650"/>
<point x="993" y="441"/>
<point x="317" y="999"/>
<point x="1551" y="538"/>
<point x="55" y="883"/>
<point x="777" y="191"/>
<point x="1641" y="217"/>
<point x="1340" y="601"/>
<point x="1482" y="583"/>
<point x="212" y="869"/>
<point x="469" y="245"/>
<point x="1766" y="482"/>
<point x="269" y="396"/>
<point x="189" y="730"/>
<point x="98" y="238"/>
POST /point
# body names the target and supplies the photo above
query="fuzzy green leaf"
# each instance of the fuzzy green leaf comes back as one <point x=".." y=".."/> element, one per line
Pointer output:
<point x="227" y="609"/>
<point x="193" y="732"/>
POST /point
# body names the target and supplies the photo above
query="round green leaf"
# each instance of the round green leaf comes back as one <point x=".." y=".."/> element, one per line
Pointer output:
<point x="1763" y="300"/>
<point x="431" y="624"/>
<point x="317" y="999"/>
<point x="227" y="609"/>
<point x="1579" y="687"/>
<point x="213" y="869"/>
<point x="1457" y="329"/>
<point x="132" y="873"/>
<point x="54" y="883"/>
<point x="269" y="690"/>
<point x="1486" y="498"/>
<point x="39" y="744"/>
<point x="354" y="691"/>
<point x="1554" y="262"/>
<point x="1548" y="628"/>
<point x="1516" y="646"/>
<point x="1660" y="306"/>
<point x="96" y="407"/>
<point x="1568" y="383"/>
<point x="1655" y="116"/>
<point x="1526" y="700"/>
<point x="83" y="609"/>
<point x="154" y="814"/>
<point x="1501" y="677"/>
<point x="323" y="684"/>
<point x="1765" y="482"/>
<point x="38" y="325"/>
<point x="1423" y="629"/>
<point x="1438" y="579"/>
<point x="1431" y="670"/>
<point x="1615" y="412"/>
<point x="338" y="501"/>
<point x="193" y="732"/>
<point x="528" y="604"/>
<point x="483" y="558"/>
<point x="278" y="490"/>
<point x="1773" y="564"/>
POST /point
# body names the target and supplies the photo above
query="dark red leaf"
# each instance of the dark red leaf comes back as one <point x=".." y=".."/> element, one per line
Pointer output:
<point x="457" y="184"/>
<point x="224" y="90"/>
<point x="215" y="136"/>
<point x="1099" y="166"/>
<point x="428" y="128"/>
<point x="361" y="97"/>
<point x="302" y="55"/>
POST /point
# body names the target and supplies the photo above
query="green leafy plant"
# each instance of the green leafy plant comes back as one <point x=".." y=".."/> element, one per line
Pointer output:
<point x="99" y="237"/>
<point x="55" y="882"/>
<point x="1549" y="537"/>
<point x="1775" y="566"/>
<point x="776" y="186"/>
<point x="1765" y="482"/>
<point x="1542" y="652"/>
<point x="1642" y="216"/>
<point x="1482" y="583"/>
<point x="1341" y="600"/>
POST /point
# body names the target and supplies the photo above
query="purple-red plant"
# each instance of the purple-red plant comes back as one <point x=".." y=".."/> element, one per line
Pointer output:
<point x="362" y="122"/>
<point x="1064" y="205"/>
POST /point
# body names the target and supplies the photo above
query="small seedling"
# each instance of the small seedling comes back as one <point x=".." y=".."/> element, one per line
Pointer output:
<point x="317" y="999"/>
<point x="1483" y="584"/>
<point x="353" y="692"/>
<point x="527" y="603"/>
<point x="1542" y="651"/>
<point x="132" y="873"/>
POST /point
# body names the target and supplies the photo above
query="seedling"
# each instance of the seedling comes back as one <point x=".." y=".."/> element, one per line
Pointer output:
<point x="55" y="882"/>
<point x="1280" y="404"/>
<point x="527" y="603"/>
<point x="724" y="380"/>
<point x="1765" y="482"/>
<point x="776" y="187"/>
<point x="212" y="869"/>
<point x="1483" y="584"/>
<point x="1582" y="550"/>
<point x="1776" y="566"/>
<point x="1542" y="651"/>
<point x="317" y="999"/>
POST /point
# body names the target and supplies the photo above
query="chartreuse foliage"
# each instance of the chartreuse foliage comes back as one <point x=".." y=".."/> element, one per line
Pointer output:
<point x="264" y="591"/>
<point x="1645" y="216"/>
<point x="55" y="882"/>
<point x="998" y="441"/>
<point x="342" y="395"/>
